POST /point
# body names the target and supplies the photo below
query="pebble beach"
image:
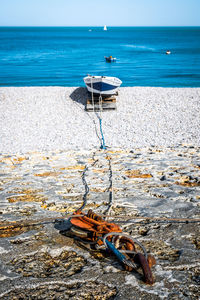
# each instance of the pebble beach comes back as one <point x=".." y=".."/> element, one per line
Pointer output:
<point x="54" y="118"/>
<point x="48" y="141"/>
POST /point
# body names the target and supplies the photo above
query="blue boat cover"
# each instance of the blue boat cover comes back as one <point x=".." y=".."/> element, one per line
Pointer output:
<point x="102" y="86"/>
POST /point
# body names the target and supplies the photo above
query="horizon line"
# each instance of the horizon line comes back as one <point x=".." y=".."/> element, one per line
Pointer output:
<point x="99" y="26"/>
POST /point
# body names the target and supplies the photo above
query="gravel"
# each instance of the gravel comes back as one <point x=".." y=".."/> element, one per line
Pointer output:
<point x="54" y="118"/>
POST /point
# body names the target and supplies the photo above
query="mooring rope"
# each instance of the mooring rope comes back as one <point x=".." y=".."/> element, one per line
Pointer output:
<point x="103" y="145"/>
<point x="86" y="189"/>
<point x="92" y="95"/>
<point x="110" y="189"/>
<point x="13" y="224"/>
<point x="85" y="183"/>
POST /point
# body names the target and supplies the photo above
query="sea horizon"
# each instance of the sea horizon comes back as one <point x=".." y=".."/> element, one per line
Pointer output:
<point x="68" y="26"/>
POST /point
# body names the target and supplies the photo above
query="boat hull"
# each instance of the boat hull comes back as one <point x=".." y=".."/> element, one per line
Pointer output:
<point x="108" y="59"/>
<point x="102" y="85"/>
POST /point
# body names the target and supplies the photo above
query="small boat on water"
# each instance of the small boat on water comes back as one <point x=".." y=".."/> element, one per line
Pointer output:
<point x="102" y="85"/>
<point x="105" y="27"/>
<point x="110" y="58"/>
<point x="168" y="52"/>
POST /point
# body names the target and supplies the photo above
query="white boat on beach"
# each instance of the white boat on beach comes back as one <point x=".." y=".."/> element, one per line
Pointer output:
<point x="102" y="85"/>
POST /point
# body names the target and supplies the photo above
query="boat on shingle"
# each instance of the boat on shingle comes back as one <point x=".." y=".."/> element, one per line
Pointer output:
<point x="102" y="85"/>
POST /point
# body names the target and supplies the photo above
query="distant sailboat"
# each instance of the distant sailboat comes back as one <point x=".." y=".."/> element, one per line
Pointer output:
<point x="105" y="27"/>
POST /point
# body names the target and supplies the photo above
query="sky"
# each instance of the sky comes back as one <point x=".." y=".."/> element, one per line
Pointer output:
<point x="99" y="12"/>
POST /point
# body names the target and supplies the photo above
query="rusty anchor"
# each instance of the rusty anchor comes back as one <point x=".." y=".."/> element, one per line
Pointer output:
<point x="93" y="229"/>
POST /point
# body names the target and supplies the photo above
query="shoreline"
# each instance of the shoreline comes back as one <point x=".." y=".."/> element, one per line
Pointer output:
<point x="83" y="86"/>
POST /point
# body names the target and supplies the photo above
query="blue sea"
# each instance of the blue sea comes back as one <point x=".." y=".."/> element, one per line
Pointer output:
<point x="62" y="56"/>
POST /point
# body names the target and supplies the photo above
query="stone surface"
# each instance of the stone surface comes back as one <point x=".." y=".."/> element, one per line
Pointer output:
<point x="135" y="186"/>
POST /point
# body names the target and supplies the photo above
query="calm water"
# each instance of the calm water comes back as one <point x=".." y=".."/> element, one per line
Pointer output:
<point x="62" y="56"/>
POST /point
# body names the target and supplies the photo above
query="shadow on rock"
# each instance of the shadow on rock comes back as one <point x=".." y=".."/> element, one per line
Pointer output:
<point x="62" y="225"/>
<point x="79" y="95"/>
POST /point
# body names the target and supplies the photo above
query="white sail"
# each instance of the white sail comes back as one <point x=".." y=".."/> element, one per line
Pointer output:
<point x="105" y="27"/>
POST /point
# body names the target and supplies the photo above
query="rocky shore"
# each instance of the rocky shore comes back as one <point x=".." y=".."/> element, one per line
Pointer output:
<point x="148" y="177"/>
<point x="38" y="262"/>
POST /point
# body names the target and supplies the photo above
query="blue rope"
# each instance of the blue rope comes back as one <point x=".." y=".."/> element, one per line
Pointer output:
<point x="103" y="146"/>
<point x="112" y="248"/>
<point x="121" y="257"/>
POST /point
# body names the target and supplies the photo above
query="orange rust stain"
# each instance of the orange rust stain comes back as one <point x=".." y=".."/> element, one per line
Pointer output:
<point x="108" y="157"/>
<point x="137" y="174"/>
<point x="117" y="151"/>
<point x="24" y="191"/>
<point x="19" y="159"/>
<point x="12" y="161"/>
<point x="100" y="170"/>
<point x="77" y="167"/>
<point x="26" y="195"/>
<point x="188" y="184"/>
<point x="98" y="190"/>
<point x="151" y="260"/>
<point x="46" y="174"/>
<point x="6" y="160"/>
<point x="15" y="229"/>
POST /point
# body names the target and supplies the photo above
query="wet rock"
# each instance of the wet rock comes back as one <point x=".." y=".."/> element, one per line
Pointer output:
<point x="15" y="229"/>
<point x="77" y="290"/>
<point x="26" y="211"/>
<point x="43" y="264"/>
<point x="118" y="210"/>
<point x="143" y="231"/>
<point x="162" y="178"/>
<point x="26" y="195"/>
<point x="137" y="174"/>
<point x="196" y="242"/>
<point x="60" y="181"/>
<point x="161" y="250"/>
<point x="185" y="179"/>
<point x="47" y="174"/>
<point x="59" y="207"/>
<point x="188" y="181"/>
